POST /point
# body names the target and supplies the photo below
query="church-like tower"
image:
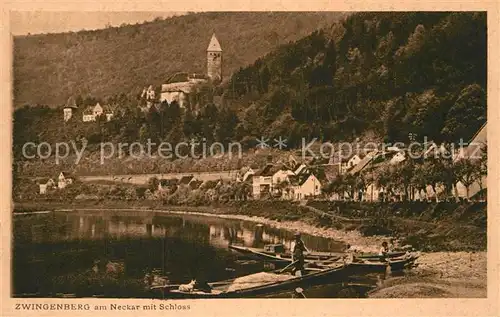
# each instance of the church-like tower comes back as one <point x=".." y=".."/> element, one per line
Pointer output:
<point x="214" y="60"/>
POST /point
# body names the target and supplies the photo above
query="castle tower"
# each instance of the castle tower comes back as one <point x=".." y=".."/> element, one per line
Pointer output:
<point x="214" y="60"/>
<point x="68" y="108"/>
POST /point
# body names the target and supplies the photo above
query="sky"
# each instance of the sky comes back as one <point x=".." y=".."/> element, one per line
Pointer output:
<point x="36" y="22"/>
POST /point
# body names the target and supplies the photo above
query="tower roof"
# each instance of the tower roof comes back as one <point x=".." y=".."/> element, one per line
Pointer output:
<point x="214" y="45"/>
<point x="71" y="103"/>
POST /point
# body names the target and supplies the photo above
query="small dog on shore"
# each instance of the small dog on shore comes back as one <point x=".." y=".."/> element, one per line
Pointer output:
<point x="187" y="287"/>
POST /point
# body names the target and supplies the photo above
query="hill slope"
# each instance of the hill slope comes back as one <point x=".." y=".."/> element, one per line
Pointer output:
<point x="50" y="68"/>
<point x="389" y="74"/>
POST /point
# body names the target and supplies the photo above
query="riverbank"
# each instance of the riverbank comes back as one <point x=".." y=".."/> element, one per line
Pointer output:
<point x="426" y="226"/>
<point x="440" y="275"/>
<point x="457" y="273"/>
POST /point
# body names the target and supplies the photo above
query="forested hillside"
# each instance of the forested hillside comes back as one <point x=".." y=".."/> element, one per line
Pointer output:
<point x="49" y="68"/>
<point x="372" y="75"/>
<point x="387" y="74"/>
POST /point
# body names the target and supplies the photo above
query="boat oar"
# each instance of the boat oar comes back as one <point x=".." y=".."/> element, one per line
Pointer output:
<point x="288" y="266"/>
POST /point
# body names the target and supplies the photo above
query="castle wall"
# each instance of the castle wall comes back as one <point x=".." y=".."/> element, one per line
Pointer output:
<point x="178" y="96"/>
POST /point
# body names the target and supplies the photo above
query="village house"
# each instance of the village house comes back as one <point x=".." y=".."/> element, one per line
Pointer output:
<point x="167" y="184"/>
<point x="92" y="113"/>
<point x="381" y="160"/>
<point x="370" y="161"/>
<point x="186" y="180"/>
<point x="245" y="173"/>
<point x="262" y="181"/>
<point x="304" y="186"/>
<point x="46" y="184"/>
<point x="350" y="162"/>
<point x="277" y="179"/>
<point x="281" y="176"/>
<point x="64" y="179"/>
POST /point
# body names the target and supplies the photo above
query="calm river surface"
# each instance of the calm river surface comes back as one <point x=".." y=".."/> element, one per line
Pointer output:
<point x="65" y="254"/>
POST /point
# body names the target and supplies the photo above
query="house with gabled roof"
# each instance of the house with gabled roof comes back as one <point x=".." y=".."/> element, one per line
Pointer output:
<point x="185" y="180"/>
<point x="45" y="184"/>
<point x="92" y="113"/>
<point x="266" y="180"/>
<point x="281" y="175"/>
<point x="88" y="115"/>
<point x="351" y="161"/>
<point x="64" y="179"/>
<point x="304" y="186"/>
<point x="167" y="184"/>
<point x="363" y="163"/>
<point x="262" y="181"/>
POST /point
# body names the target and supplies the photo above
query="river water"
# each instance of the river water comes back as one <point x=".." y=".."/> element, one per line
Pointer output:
<point x="107" y="253"/>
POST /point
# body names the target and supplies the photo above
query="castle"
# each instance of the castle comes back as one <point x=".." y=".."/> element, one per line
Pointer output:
<point x="181" y="85"/>
<point x="177" y="88"/>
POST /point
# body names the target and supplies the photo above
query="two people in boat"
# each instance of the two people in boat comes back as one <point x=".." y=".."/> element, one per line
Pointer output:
<point x="298" y="248"/>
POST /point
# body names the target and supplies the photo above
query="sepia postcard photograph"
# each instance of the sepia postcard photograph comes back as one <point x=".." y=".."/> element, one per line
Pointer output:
<point x="162" y="157"/>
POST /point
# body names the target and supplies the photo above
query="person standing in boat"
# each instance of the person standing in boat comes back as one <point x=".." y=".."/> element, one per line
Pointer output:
<point x="298" y="248"/>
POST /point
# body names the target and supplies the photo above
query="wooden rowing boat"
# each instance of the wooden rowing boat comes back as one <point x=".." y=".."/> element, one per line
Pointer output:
<point x="376" y="256"/>
<point x="370" y="263"/>
<point x="282" y="257"/>
<point x="262" y="253"/>
<point x="259" y="284"/>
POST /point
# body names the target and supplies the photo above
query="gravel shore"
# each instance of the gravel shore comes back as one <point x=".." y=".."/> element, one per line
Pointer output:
<point x="438" y="274"/>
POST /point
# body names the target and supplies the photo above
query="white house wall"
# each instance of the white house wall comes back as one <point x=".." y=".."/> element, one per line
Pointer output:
<point x="281" y="176"/>
<point x="461" y="191"/>
<point x="308" y="188"/>
<point x="178" y="96"/>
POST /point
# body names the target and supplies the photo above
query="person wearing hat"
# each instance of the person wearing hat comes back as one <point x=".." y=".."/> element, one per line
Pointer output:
<point x="298" y="249"/>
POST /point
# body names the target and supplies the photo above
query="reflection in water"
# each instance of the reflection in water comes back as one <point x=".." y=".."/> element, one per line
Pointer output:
<point x="58" y="252"/>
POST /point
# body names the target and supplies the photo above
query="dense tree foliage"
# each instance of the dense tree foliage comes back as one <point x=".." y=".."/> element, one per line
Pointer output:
<point x="393" y="73"/>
